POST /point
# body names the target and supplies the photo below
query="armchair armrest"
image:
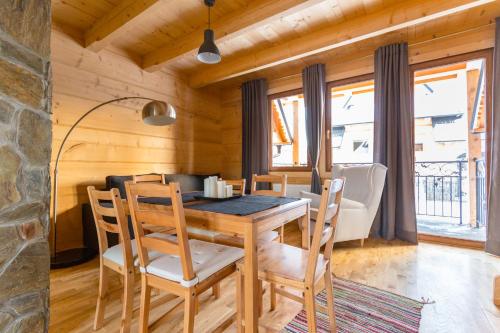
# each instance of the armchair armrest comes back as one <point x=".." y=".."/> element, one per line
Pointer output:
<point x="315" y="198"/>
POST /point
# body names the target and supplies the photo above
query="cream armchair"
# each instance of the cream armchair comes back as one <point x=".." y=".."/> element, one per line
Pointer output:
<point x="362" y="193"/>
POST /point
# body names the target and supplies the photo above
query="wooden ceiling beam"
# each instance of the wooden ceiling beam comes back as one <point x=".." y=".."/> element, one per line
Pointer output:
<point x="256" y="14"/>
<point x="115" y="22"/>
<point x="399" y="16"/>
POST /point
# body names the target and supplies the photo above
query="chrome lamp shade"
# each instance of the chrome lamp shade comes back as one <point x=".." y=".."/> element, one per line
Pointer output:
<point x="158" y="113"/>
<point x="208" y="52"/>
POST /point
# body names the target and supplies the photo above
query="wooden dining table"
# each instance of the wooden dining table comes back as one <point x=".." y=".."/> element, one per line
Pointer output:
<point x="249" y="227"/>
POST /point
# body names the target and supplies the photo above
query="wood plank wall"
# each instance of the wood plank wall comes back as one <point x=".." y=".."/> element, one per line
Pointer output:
<point x="339" y="66"/>
<point x="114" y="141"/>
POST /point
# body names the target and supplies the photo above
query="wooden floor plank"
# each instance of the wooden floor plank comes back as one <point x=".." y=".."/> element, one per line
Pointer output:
<point x="458" y="280"/>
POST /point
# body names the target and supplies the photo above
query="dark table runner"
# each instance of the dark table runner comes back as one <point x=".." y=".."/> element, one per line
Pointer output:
<point x="246" y="205"/>
<point x="186" y="197"/>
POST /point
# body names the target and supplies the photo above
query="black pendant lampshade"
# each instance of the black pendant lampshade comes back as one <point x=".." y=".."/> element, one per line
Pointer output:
<point x="208" y="52"/>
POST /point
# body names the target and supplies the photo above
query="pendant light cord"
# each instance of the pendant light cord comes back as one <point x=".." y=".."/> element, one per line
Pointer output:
<point x="208" y="17"/>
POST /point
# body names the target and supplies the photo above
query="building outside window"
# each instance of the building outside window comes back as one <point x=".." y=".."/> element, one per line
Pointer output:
<point x="350" y="122"/>
<point x="288" y="131"/>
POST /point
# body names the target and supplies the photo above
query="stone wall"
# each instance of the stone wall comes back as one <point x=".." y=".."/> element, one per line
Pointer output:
<point x="25" y="148"/>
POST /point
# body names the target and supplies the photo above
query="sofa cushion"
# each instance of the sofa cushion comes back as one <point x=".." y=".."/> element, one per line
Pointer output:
<point x="119" y="183"/>
<point x="188" y="183"/>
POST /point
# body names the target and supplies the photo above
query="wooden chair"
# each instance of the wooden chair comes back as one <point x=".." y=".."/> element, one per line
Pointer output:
<point x="239" y="185"/>
<point x="182" y="267"/>
<point x="154" y="178"/>
<point x="305" y="270"/>
<point x="496" y="291"/>
<point x="271" y="180"/>
<point x="119" y="258"/>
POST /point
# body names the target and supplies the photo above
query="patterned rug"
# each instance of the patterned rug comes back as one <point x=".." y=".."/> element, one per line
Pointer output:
<point x="360" y="308"/>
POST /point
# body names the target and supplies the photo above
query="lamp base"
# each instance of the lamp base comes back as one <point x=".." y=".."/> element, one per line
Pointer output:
<point x="72" y="257"/>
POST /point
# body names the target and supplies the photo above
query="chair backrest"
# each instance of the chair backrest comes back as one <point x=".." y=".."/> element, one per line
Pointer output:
<point x="328" y="210"/>
<point x="269" y="179"/>
<point x="118" y="212"/>
<point x="238" y="185"/>
<point x="152" y="178"/>
<point x="160" y="215"/>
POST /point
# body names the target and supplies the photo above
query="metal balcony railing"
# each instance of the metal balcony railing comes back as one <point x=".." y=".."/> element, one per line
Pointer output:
<point x="438" y="188"/>
<point x="480" y="193"/>
<point x="441" y="189"/>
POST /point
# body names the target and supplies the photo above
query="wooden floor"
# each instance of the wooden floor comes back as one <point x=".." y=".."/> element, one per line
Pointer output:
<point x="460" y="281"/>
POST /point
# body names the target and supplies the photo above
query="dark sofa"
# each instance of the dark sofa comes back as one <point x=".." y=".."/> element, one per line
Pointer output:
<point x="188" y="183"/>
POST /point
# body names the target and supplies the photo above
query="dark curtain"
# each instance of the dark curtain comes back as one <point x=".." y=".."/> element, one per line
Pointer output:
<point x="255" y="122"/>
<point x="493" y="228"/>
<point x="313" y="81"/>
<point x="394" y="143"/>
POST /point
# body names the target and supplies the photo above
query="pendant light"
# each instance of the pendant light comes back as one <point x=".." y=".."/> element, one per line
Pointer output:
<point x="208" y="52"/>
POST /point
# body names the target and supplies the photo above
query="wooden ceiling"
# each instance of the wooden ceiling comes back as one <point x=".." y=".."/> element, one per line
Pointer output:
<point x="258" y="35"/>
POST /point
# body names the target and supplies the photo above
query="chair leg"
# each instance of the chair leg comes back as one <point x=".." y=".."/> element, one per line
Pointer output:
<point x="145" y="302"/>
<point x="128" y="301"/>
<point x="260" y="293"/>
<point x="330" y="302"/>
<point x="272" y="296"/>
<point x="310" y="309"/>
<point x="189" y="310"/>
<point x="239" y="301"/>
<point x="362" y="242"/>
<point x="196" y="305"/>
<point x="102" y="297"/>
<point x="155" y="291"/>
<point x="216" y="290"/>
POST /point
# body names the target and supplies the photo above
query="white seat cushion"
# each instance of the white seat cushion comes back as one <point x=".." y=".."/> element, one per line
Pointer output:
<point x="229" y="240"/>
<point x="115" y="253"/>
<point x="208" y="234"/>
<point x="208" y="258"/>
<point x="345" y="204"/>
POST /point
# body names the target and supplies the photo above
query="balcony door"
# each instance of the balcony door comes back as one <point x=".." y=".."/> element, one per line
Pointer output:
<point x="349" y="121"/>
<point x="450" y="99"/>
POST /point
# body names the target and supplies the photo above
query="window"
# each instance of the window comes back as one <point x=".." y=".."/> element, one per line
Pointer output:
<point x="349" y="121"/>
<point x="288" y="131"/>
<point x="450" y="109"/>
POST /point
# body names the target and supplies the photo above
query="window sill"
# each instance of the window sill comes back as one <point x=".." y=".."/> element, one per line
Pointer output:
<point x="291" y="168"/>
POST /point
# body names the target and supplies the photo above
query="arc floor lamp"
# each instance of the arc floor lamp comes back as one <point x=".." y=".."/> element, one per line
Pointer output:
<point x="154" y="112"/>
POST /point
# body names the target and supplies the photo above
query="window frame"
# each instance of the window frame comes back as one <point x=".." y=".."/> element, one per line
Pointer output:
<point x="270" y="98"/>
<point x="328" y="115"/>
